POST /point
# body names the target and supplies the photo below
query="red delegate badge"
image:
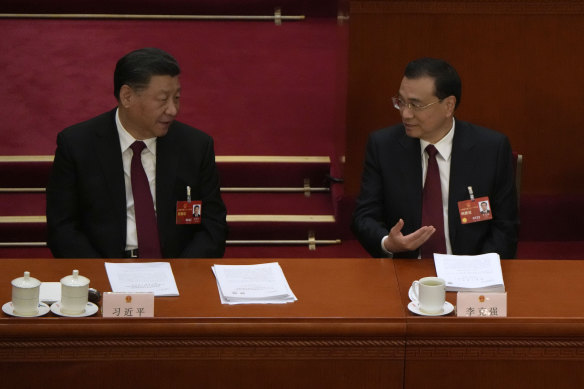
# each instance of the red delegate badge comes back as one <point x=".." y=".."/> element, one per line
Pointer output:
<point x="477" y="210"/>
<point x="188" y="212"/>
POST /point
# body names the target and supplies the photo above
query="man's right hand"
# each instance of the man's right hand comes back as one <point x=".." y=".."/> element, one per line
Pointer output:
<point x="397" y="242"/>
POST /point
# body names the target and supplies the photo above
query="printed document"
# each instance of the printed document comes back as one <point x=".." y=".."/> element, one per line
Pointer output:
<point x="470" y="273"/>
<point x="155" y="277"/>
<point x="252" y="284"/>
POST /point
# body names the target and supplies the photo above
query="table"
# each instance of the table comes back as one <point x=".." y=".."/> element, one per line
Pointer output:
<point x="350" y="328"/>
<point x="539" y="345"/>
<point x="346" y="330"/>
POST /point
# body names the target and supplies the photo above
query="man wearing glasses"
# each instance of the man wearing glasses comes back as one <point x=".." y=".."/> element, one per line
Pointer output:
<point x="419" y="176"/>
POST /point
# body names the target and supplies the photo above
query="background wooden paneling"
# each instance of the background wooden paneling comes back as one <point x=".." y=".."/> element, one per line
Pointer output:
<point x="520" y="63"/>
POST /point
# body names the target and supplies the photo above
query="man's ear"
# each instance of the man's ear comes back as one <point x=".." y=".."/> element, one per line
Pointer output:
<point x="126" y="96"/>
<point x="450" y="103"/>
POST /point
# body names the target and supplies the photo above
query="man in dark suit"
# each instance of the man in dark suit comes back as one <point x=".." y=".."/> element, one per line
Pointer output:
<point x="388" y="216"/>
<point x="91" y="210"/>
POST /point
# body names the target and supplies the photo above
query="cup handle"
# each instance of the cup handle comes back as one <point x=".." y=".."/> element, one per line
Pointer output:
<point x="415" y="289"/>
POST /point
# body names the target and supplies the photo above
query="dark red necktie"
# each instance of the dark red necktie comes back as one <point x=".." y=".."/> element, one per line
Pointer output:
<point x="148" y="240"/>
<point x="432" y="211"/>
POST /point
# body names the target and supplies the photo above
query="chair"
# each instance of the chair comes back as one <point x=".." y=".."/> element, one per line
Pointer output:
<point x="518" y="158"/>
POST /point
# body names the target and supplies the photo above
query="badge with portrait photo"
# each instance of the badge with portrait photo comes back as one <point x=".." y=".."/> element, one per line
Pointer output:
<point x="477" y="210"/>
<point x="188" y="212"/>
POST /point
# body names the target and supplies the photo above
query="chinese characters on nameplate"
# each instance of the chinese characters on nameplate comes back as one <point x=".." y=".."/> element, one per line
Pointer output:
<point x="128" y="305"/>
<point x="472" y="304"/>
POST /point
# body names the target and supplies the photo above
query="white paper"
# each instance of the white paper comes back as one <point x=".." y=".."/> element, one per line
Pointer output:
<point x="470" y="272"/>
<point x="252" y="284"/>
<point x="155" y="277"/>
<point x="50" y="292"/>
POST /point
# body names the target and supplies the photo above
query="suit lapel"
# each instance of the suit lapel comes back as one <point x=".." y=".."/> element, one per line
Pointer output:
<point x="167" y="158"/>
<point x="110" y="158"/>
<point x="462" y="166"/>
<point x="412" y="178"/>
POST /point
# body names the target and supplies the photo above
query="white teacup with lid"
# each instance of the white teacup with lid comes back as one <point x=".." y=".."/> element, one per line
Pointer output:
<point x="74" y="291"/>
<point x="25" y="295"/>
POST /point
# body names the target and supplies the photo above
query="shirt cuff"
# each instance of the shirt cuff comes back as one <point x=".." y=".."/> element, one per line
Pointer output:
<point x="389" y="253"/>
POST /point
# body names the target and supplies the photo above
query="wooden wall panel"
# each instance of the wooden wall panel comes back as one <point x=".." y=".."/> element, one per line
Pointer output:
<point x="520" y="63"/>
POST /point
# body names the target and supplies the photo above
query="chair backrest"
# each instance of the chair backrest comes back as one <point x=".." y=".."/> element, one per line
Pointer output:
<point x="518" y="168"/>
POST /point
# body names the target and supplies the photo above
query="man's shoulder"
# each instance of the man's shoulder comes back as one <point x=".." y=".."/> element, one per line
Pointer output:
<point x="396" y="131"/>
<point x="393" y="139"/>
<point x="101" y="121"/>
<point x="477" y="132"/>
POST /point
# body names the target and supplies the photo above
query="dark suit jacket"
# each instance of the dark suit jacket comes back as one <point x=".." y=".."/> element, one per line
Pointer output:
<point x="86" y="200"/>
<point x="391" y="188"/>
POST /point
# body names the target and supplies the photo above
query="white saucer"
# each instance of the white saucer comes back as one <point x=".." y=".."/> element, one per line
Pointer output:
<point x="448" y="308"/>
<point x="8" y="309"/>
<point x="90" y="309"/>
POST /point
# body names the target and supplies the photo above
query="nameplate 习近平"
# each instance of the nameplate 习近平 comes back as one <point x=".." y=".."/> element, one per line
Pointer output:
<point x="474" y="304"/>
<point x="128" y="305"/>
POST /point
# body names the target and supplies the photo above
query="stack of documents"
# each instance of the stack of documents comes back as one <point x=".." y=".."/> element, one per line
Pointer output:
<point x="253" y="284"/>
<point x="470" y="273"/>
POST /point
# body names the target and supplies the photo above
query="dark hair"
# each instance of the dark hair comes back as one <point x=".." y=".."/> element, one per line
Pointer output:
<point x="446" y="80"/>
<point x="136" y="68"/>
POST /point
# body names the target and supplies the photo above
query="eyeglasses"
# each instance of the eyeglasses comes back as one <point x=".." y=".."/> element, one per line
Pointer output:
<point x="399" y="104"/>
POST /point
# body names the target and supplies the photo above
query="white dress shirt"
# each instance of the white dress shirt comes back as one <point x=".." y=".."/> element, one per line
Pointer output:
<point x="443" y="158"/>
<point x="149" y="163"/>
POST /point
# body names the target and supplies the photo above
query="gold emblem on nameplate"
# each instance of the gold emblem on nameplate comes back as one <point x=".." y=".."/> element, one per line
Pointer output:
<point x="128" y="299"/>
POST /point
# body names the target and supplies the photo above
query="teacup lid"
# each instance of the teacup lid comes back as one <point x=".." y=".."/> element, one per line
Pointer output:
<point x="75" y="279"/>
<point x="26" y="282"/>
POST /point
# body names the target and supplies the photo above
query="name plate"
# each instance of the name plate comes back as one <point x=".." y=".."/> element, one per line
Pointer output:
<point x="128" y="305"/>
<point x="473" y="304"/>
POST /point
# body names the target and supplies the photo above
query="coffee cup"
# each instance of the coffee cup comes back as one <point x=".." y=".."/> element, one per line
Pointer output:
<point x="25" y="295"/>
<point x="430" y="292"/>
<point x="74" y="292"/>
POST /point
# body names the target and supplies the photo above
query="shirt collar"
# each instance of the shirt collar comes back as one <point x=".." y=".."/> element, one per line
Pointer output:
<point x="444" y="145"/>
<point x="126" y="139"/>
